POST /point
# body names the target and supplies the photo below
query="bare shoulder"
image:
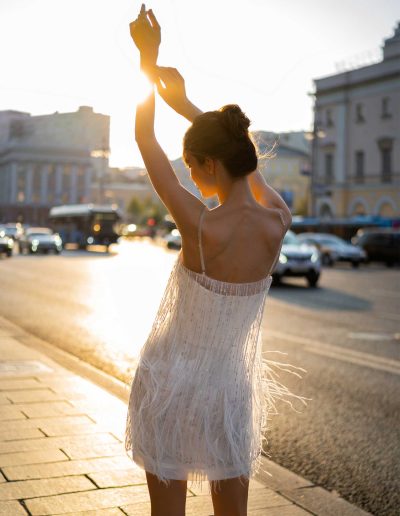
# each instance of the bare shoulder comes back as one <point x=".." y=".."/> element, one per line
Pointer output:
<point x="277" y="220"/>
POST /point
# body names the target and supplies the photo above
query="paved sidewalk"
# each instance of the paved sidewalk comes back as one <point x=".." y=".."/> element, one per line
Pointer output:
<point x="62" y="452"/>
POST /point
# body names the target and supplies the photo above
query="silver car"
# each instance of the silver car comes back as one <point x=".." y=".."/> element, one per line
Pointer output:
<point x="342" y="250"/>
<point x="40" y="240"/>
<point x="297" y="259"/>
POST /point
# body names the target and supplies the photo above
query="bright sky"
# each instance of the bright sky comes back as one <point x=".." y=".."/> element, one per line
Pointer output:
<point x="59" y="54"/>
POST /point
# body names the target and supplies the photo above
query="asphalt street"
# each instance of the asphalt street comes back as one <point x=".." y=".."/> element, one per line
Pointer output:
<point x="345" y="333"/>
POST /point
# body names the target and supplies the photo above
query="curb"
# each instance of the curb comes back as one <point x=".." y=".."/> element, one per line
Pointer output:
<point x="311" y="497"/>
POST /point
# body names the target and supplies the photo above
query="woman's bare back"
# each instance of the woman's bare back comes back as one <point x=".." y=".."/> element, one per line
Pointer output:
<point x="240" y="243"/>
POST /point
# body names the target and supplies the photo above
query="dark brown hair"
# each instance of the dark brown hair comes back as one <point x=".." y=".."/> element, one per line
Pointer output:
<point x="223" y="135"/>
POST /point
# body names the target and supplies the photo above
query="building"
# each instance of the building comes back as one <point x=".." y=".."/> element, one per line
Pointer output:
<point x="288" y="172"/>
<point x="121" y="185"/>
<point x="48" y="160"/>
<point x="356" y="143"/>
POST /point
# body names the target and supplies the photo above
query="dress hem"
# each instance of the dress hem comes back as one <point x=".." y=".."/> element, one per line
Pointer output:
<point x="192" y="472"/>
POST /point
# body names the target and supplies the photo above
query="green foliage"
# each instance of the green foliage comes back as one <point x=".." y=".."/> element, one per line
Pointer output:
<point x="141" y="210"/>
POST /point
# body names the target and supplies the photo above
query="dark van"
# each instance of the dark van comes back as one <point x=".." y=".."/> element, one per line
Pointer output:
<point x="381" y="245"/>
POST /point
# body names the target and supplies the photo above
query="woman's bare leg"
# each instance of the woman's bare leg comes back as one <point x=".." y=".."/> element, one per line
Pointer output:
<point x="230" y="496"/>
<point x="166" y="501"/>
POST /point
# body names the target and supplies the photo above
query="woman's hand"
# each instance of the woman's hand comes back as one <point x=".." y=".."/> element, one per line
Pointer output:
<point x="171" y="88"/>
<point x="146" y="34"/>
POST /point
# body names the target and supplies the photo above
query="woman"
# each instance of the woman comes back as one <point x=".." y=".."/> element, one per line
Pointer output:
<point x="201" y="394"/>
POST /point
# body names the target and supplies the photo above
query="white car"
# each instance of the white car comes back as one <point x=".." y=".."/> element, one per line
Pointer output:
<point x="297" y="260"/>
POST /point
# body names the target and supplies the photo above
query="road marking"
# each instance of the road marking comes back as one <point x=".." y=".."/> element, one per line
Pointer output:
<point x="354" y="360"/>
<point x="373" y="336"/>
<point x="391" y="317"/>
<point x="346" y="355"/>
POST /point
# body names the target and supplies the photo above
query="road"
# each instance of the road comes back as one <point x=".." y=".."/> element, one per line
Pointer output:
<point x="346" y="334"/>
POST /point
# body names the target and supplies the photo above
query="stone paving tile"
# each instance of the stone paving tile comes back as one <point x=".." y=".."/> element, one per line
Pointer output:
<point x="98" y="403"/>
<point x="49" y="409"/>
<point x="71" y="467"/>
<point x="288" y="510"/>
<point x="32" y="457"/>
<point x="276" y="477"/>
<point x="119" y="478"/>
<point x="323" y="502"/>
<point x="266" y="498"/>
<point x="86" y="501"/>
<point x="67" y="429"/>
<point x="27" y="383"/>
<point x="101" y="512"/>
<point x="9" y="413"/>
<point x="25" y="396"/>
<point x="68" y="421"/>
<point x="13" y="434"/>
<point x="4" y="399"/>
<point x="66" y="382"/>
<point x="12" y="509"/>
<point x="90" y="451"/>
<point x="44" y="487"/>
<point x="59" y="374"/>
<point x="57" y="442"/>
<point x="143" y="509"/>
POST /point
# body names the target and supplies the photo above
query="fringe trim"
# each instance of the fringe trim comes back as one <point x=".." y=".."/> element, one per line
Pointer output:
<point x="203" y="362"/>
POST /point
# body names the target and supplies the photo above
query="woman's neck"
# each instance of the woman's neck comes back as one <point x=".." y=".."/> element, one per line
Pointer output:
<point x="233" y="191"/>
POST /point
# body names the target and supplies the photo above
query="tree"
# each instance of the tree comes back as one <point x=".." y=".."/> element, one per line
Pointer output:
<point x="142" y="210"/>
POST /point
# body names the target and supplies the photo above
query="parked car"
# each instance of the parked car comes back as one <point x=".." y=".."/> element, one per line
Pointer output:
<point x="13" y="230"/>
<point x="334" y="248"/>
<point x="297" y="259"/>
<point x="173" y="240"/>
<point x="6" y="243"/>
<point x="382" y="245"/>
<point x="38" y="239"/>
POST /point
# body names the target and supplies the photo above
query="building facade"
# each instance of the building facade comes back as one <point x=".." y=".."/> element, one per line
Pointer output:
<point x="356" y="139"/>
<point x="122" y="185"/>
<point x="49" y="160"/>
<point x="288" y="172"/>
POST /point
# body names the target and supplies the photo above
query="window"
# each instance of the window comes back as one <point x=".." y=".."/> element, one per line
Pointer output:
<point x="36" y="184"/>
<point x="386" y="159"/>
<point x="16" y="129"/>
<point x="21" y="184"/>
<point x="359" y="176"/>
<point x="329" y="168"/>
<point x="65" y="184"/>
<point x="51" y="183"/>
<point x="329" y="120"/>
<point x="386" y="108"/>
<point x="360" y="114"/>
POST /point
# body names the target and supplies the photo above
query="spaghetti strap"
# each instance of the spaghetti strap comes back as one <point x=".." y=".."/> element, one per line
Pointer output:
<point x="203" y="268"/>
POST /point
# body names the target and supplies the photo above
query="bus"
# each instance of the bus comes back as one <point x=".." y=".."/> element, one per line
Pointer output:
<point x="86" y="224"/>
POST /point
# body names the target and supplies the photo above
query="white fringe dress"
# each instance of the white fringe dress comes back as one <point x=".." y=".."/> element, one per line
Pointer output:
<point x="202" y="393"/>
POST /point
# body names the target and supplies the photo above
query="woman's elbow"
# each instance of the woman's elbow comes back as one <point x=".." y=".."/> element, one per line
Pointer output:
<point x="143" y="139"/>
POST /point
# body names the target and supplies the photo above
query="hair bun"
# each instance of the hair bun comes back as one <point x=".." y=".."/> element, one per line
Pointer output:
<point x="234" y="121"/>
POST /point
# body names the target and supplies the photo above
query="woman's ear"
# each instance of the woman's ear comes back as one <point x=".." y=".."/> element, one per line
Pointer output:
<point x="210" y="166"/>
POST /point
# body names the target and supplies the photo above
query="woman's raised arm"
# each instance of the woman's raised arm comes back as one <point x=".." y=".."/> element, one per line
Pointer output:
<point x="183" y="206"/>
